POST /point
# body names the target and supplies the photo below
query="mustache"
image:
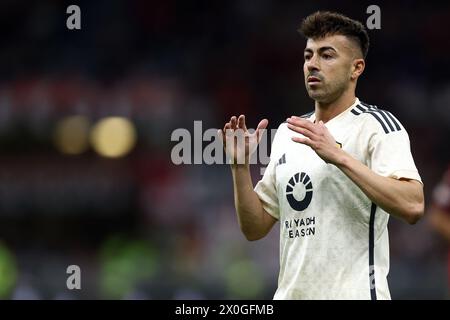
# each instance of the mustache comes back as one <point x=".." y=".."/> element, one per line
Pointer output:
<point x="316" y="75"/>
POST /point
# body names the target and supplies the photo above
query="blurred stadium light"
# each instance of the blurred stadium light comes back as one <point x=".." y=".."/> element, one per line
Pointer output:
<point x="113" y="137"/>
<point x="72" y="135"/>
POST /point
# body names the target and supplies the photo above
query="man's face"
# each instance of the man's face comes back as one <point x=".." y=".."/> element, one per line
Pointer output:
<point x="328" y="67"/>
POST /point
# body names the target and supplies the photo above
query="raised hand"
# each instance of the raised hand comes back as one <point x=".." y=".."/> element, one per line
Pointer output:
<point x="238" y="142"/>
<point x="317" y="136"/>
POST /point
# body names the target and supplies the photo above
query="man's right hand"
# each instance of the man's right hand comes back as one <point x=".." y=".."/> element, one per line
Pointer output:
<point x="239" y="143"/>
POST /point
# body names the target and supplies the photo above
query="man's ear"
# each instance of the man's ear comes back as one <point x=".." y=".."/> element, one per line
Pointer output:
<point x="357" y="68"/>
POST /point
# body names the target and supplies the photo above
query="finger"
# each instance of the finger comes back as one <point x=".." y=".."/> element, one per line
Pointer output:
<point x="241" y="122"/>
<point x="300" y="122"/>
<point x="321" y="125"/>
<point x="304" y="141"/>
<point x="221" y="136"/>
<point x="227" y="129"/>
<point x="262" y="125"/>
<point x="233" y="123"/>
<point x="303" y="131"/>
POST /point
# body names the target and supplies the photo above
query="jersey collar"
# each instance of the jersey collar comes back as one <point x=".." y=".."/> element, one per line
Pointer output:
<point x="339" y="116"/>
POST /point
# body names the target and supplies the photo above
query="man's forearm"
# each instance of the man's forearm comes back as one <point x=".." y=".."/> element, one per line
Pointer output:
<point x="403" y="199"/>
<point x="253" y="220"/>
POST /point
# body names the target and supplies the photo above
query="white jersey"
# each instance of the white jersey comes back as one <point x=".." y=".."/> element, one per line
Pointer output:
<point x="333" y="240"/>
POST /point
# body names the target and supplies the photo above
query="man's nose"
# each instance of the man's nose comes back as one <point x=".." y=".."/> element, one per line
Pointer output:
<point x="312" y="64"/>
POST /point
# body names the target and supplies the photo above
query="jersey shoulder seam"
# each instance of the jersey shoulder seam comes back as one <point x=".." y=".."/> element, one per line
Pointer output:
<point x="305" y="116"/>
<point x="384" y="118"/>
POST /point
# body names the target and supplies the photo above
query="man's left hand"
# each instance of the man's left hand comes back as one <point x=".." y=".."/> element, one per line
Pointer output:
<point x="317" y="137"/>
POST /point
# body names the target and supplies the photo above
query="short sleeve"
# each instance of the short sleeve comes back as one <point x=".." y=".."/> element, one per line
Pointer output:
<point x="391" y="155"/>
<point x="266" y="187"/>
<point x="266" y="191"/>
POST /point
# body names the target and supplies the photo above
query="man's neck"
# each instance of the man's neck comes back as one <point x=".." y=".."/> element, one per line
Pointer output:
<point x="327" y="111"/>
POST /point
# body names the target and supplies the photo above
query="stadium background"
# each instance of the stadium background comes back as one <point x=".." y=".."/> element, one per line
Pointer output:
<point x="140" y="227"/>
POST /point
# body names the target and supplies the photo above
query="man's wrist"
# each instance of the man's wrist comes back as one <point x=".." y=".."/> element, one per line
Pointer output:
<point x="342" y="159"/>
<point x="238" y="167"/>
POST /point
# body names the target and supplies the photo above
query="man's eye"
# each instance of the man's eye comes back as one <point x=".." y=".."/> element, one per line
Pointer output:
<point x="327" y="56"/>
<point x="307" y="57"/>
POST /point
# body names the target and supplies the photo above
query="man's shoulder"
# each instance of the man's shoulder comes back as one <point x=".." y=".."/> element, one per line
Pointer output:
<point x="376" y="117"/>
<point x="283" y="126"/>
<point x="304" y="116"/>
<point x="307" y="115"/>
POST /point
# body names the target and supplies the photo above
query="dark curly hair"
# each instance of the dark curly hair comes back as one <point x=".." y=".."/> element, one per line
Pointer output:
<point x="324" y="23"/>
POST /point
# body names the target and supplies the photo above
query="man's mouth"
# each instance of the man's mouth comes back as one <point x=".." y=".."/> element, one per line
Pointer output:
<point x="312" y="80"/>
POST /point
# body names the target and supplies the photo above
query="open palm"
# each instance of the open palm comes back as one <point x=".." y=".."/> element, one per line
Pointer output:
<point x="238" y="142"/>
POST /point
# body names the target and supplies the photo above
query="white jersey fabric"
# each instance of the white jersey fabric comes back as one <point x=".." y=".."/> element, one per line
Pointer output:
<point x="333" y="240"/>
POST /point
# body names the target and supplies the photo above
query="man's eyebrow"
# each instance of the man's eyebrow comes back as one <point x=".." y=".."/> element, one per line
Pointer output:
<point x="321" y="49"/>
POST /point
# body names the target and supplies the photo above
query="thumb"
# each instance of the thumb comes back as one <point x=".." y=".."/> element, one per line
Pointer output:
<point x="262" y="124"/>
<point x="261" y="127"/>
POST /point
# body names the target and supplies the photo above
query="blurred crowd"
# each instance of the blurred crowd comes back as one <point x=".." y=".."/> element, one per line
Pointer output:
<point x="141" y="227"/>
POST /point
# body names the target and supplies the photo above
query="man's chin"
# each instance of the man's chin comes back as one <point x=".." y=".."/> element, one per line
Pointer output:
<point x="317" y="96"/>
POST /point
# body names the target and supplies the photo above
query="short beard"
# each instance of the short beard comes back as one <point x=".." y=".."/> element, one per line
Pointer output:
<point x="328" y="97"/>
<point x="320" y="97"/>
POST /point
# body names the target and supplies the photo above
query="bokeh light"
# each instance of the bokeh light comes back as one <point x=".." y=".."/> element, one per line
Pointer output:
<point x="71" y="135"/>
<point x="113" y="137"/>
<point x="8" y="272"/>
<point x="125" y="265"/>
<point x="244" y="280"/>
